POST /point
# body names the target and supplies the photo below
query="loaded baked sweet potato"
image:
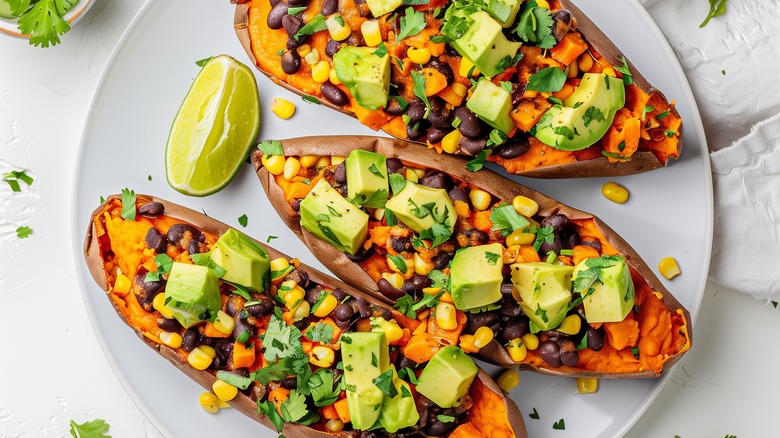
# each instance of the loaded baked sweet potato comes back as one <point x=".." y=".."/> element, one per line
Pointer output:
<point x="493" y="266"/>
<point x="532" y="85"/>
<point x="288" y="346"/>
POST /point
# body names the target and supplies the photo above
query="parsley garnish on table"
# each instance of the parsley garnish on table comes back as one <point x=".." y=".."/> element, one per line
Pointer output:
<point x="43" y="20"/>
<point x="717" y="8"/>
<point x="89" y="429"/>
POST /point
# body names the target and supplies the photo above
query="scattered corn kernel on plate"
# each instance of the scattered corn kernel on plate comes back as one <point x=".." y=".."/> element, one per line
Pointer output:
<point x="668" y="213"/>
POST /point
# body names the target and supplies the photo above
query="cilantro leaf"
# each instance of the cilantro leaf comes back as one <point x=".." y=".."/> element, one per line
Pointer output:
<point x="243" y="220"/>
<point x="543" y="234"/>
<point x="559" y="425"/>
<point x="322" y="391"/>
<point x="419" y="90"/>
<point x="397" y="182"/>
<point x="23" y="232"/>
<point x="45" y="21"/>
<point x="204" y="259"/>
<point x="164" y="264"/>
<point x="625" y="71"/>
<point x="506" y="219"/>
<point x="398" y="262"/>
<point x="717" y="8"/>
<point x="378" y="199"/>
<point x="128" y="204"/>
<point x="275" y="372"/>
<point x="271" y="147"/>
<point x="550" y="79"/>
<point x="412" y="23"/>
<point x="381" y="50"/>
<point x="294" y="409"/>
<point x="404" y="305"/>
<point x="281" y="340"/>
<point x="477" y="163"/>
<point x="89" y="429"/>
<point x="385" y="383"/>
<point x="236" y="380"/>
<point x="316" y="24"/>
<point x="437" y="233"/>
<point x="534" y="415"/>
<point x="535" y="26"/>
<point x="591" y="114"/>
<point x="269" y="409"/>
<point x="320" y="332"/>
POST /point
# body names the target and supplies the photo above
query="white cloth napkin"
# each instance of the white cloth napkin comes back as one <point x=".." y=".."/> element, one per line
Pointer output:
<point x="732" y="65"/>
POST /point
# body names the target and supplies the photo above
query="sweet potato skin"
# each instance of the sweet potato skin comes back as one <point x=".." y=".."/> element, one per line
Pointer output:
<point x="601" y="166"/>
<point x="243" y="403"/>
<point x="489" y="181"/>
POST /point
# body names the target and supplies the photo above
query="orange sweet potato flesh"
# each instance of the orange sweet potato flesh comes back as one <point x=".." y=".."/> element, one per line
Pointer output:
<point x="111" y="242"/>
<point x="663" y="321"/>
<point x="651" y="149"/>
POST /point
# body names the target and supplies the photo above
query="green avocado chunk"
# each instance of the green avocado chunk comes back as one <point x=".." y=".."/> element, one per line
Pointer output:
<point x="545" y="290"/>
<point x="366" y="75"/>
<point x="382" y="7"/>
<point x="504" y="11"/>
<point x="366" y="173"/>
<point x="420" y="207"/>
<point x="475" y="276"/>
<point x="585" y="116"/>
<point x="400" y="411"/>
<point x="484" y="43"/>
<point x="245" y="261"/>
<point x="447" y="376"/>
<point x="613" y="293"/>
<point x="365" y="356"/>
<point x="327" y="215"/>
<point x="492" y="104"/>
<point x="192" y="293"/>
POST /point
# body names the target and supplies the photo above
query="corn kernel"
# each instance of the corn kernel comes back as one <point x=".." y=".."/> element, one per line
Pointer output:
<point x="466" y="66"/>
<point x="571" y="325"/>
<point x="308" y="161"/>
<point x="480" y="199"/>
<point x="284" y="109"/>
<point x="668" y="267"/>
<point x="379" y="213"/>
<point x="450" y="141"/>
<point x="312" y="57"/>
<point x="418" y="56"/>
<point x="508" y="380"/>
<point x="609" y="71"/>
<point x="334" y="77"/>
<point x="291" y="168"/>
<point x="483" y="336"/>
<point x="420" y="172"/>
<point x="273" y="163"/>
<point x="371" y="33"/>
<point x="517" y="350"/>
<point x="467" y="344"/>
<point x="303" y="50"/>
<point x="279" y="264"/>
<point x="573" y="70"/>
<point x="525" y="206"/>
<point x="223" y="390"/>
<point x="411" y="175"/>
<point x="321" y="356"/>
<point x="446" y="317"/>
<point x="335" y="160"/>
<point x="334" y="425"/>
<point x="587" y="385"/>
<point x="391" y="329"/>
<point x="542" y="4"/>
<point x="394" y="278"/>
<point x="224" y="322"/>
<point x="171" y="339"/>
<point x="208" y="350"/>
<point x="614" y="192"/>
<point x="199" y="359"/>
<point x="459" y="89"/>
<point x="294" y="297"/>
<point x="326" y="306"/>
<point x="339" y="30"/>
<point x="531" y="341"/>
<point x="158" y="303"/>
<point x="302" y="311"/>
<point x="222" y="404"/>
<point x="320" y="72"/>
<point x="122" y="285"/>
<point x="518" y="237"/>
<point x="324" y="161"/>
<point x="585" y="62"/>
<point x="446" y="297"/>
<point x="421" y="266"/>
<point x="406" y="268"/>
<point x="209" y="402"/>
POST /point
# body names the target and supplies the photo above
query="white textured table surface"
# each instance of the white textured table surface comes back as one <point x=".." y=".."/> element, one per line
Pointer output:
<point x="52" y="369"/>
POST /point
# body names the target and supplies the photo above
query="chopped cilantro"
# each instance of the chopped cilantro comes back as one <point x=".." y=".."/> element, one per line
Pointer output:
<point x="281" y="340"/>
<point x="320" y="332"/>
<point x="647" y="109"/>
<point x="550" y="79"/>
<point x="316" y="24"/>
<point x="535" y="26"/>
<point x="271" y="147"/>
<point x="412" y="23"/>
<point x="270" y="238"/>
<point x="311" y="99"/>
<point x="243" y="220"/>
<point x="591" y="114"/>
<point x="202" y="62"/>
<point x="403" y="103"/>
<point x="419" y="90"/>
<point x="397" y="182"/>
<point x="717" y="8"/>
<point x="381" y="50"/>
<point x="89" y="429"/>
<point x="506" y="219"/>
<point x="373" y="169"/>
<point x="492" y="258"/>
<point x="322" y="391"/>
<point x="23" y="232"/>
<point x="478" y="162"/>
<point x="437" y="233"/>
<point x="534" y="415"/>
<point x="398" y="262"/>
<point x="269" y="409"/>
<point x="559" y="425"/>
<point x="13" y="177"/>
<point x="385" y="383"/>
<point x="128" y="204"/>
<point x="204" y="259"/>
<point x="447" y="418"/>
<point x="164" y="264"/>
<point x="625" y="71"/>
<point x="239" y="382"/>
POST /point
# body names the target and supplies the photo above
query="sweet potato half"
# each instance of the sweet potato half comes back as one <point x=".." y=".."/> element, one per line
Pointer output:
<point x="431" y="84"/>
<point x="122" y="254"/>
<point x="403" y="266"/>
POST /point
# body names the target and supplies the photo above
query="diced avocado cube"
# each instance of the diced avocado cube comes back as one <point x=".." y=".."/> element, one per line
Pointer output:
<point x="192" y="293"/>
<point x="484" y="43"/>
<point x="585" y="116"/>
<point x="420" y="207"/>
<point x="366" y="173"/>
<point x="447" y="376"/>
<point x="504" y="11"/>
<point x="245" y="261"/>
<point x="545" y="290"/>
<point x="400" y="411"/>
<point x="366" y="75"/>
<point x="327" y="215"/>
<point x="365" y="356"/>
<point x="613" y="295"/>
<point x="476" y="276"/>
<point x="382" y="7"/>
<point x="492" y="104"/>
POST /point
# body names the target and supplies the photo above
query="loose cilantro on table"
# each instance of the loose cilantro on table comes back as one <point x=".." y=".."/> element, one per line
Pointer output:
<point x="243" y="220"/>
<point x="534" y="415"/>
<point x="412" y="23"/>
<point x="559" y="425"/>
<point x="717" y="8"/>
<point x="89" y="429"/>
<point x="23" y="232"/>
<point x="202" y="62"/>
<point x="506" y="219"/>
<point x="43" y="20"/>
<point x="164" y="264"/>
<point x="13" y="177"/>
<point x="535" y="26"/>
<point x="270" y="238"/>
<point x="550" y="79"/>
<point x="128" y="204"/>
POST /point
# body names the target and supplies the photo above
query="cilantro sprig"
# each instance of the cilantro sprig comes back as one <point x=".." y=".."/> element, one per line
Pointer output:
<point x="93" y="429"/>
<point x="412" y="23"/>
<point x="535" y="26"/>
<point x="717" y="8"/>
<point x="43" y="20"/>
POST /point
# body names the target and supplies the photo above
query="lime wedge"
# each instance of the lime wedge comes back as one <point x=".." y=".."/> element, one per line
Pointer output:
<point x="214" y="129"/>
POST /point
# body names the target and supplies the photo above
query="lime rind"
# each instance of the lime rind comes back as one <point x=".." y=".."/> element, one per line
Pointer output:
<point x="214" y="129"/>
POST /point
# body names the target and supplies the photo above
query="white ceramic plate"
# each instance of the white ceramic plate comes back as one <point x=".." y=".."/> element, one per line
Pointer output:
<point x="669" y="213"/>
<point x="9" y="26"/>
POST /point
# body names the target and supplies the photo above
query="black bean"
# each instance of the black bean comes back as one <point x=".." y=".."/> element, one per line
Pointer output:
<point x="550" y="352"/>
<point x="394" y="165"/>
<point x="235" y="303"/>
<point x="361" y="255"/>
<point x="329" y="7"/>
<point x="340" y="174"/>
<point x="518" y="90"/>
<point x="297" y="2"/>
<point x="506" y="288"/>
<point x="381" y="312"/>
<point x="400" y="243"/>
<point x="313" y="294"/>
<point x="205" y="340"/>
<point x="510" y="307"/>
<point x="291" y="62"/>
<point x="435" y="135"/>
<point x="271" y="2"/>
<point x="470" y="126"/>
<point x="296" y="204"/>
<point x="415" y="111"/>
<point x="481" y="319"/>
<point x="472" y="146"/>
<point x="595" y="338"/>
<point x="570" y="238"/>
<point x="339" y="294"/>
<point x="299" y="276"/>
<point x="344" y="312"/>
<point x="513" y="148"/>
<point x="224" y="354"/>
<point x="414" y="130"/>
<point x="388" y="290"/>
<point x="263" y="307"/>
<point x="331" y="47"/>
<point x="458" y="194"/>
<point x="290" y="383"/>
<point x="442" y="260"/>
<point x="303" y="323"/>
<point x="155" y="240"/>
<point x="276" y="14"/>
<point x="515" y="329"/>
<point x="394" y="108"/>
<point x="557" y="221"/>
<point x="169" y="325"/>
<point x="334" y="94"/>
<point x="241" y="326"/>
<point x="438" y="428"/>
<point x="440" y="116"/>
<point x="147" y="290"/>
<point x="152" y="209"/>
<point x="292" y="24"/>
<point x="554" y="246"/>
<point x="181" y="234"/>
<point x="190" y="339"/>
<point x="569" y="354"/>
<point x="195" y="247"/>
<point x="595" y="244"/>
<point x="436" y="180"/>
<point x="405" y="362"/>
<point x="472" y="237"/>
<point x="443" y="68"/>
<point x="562" y="19"/>
<point x="360" y="306"/>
